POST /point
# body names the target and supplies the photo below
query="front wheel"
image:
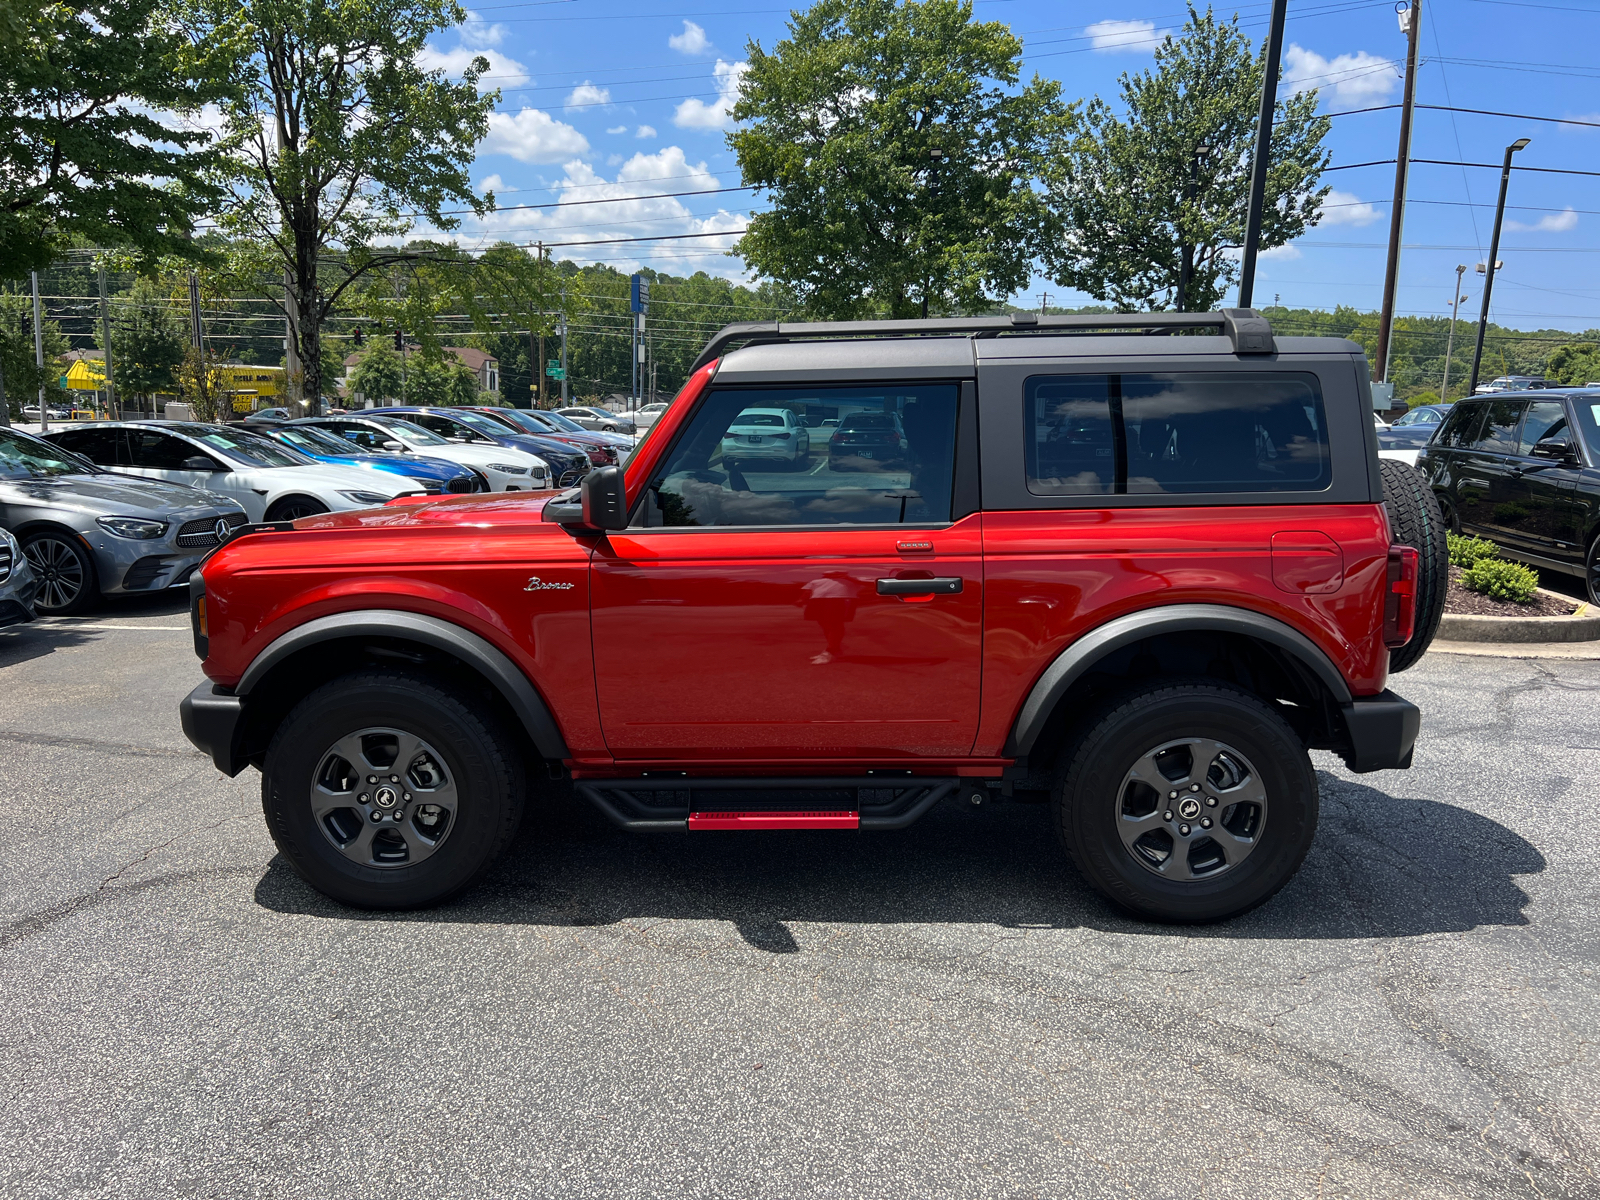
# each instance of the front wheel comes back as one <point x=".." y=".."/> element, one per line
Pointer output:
<point x="1591" y="572"/>
<point x="1188" y="802"/>
<point x="65" y="572"/>
<point x="385" y="790"/>
<point x="292" y="508"/>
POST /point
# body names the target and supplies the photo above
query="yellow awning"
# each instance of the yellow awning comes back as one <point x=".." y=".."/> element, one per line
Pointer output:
<point x="87" y="375"/>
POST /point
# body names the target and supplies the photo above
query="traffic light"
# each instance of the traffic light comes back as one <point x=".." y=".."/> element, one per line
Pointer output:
<point x="399" y="340"/>
<point x="359" y="338"/>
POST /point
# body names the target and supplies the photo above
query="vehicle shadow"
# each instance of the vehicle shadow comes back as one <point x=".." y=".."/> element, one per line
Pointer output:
<point x="1381" y="866"/>
<point x="26" y="642"/>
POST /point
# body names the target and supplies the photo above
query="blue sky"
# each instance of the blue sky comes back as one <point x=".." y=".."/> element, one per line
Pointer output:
<point x="619" y="99"/>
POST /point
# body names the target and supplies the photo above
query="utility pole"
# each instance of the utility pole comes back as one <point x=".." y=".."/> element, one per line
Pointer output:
<point x="38" y="355"/>
<point x="1044" y="302"/>
<point x="538" y="351"/>
<point x="1450" y="342"/>
<point x="563" y="345"/>
<point x="1411" y="22"/>
<point x="1258" y="167"/>
<point x="105" y="337"/>
<point x="1494" y="249"/>
<point x="197" y="335"/>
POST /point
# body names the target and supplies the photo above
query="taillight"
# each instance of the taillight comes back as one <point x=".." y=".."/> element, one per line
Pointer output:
<point x="1400" y="597"/>
<point x="782" y="437"/>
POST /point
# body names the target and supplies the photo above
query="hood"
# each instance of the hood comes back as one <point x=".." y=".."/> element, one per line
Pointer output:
<point x="465" y="454"/>
<point x="337" y="477"/>
<point x="500" y="510"/>
<point x="122" y="495"/>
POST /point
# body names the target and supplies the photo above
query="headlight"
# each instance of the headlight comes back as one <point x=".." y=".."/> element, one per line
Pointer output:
<point x="132" y="527"/>
<point x="366" y="497"/>
<point x="508" y="469"/>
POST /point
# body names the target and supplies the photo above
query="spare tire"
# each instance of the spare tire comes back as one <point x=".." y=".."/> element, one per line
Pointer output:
<point x="1416" y="520"/>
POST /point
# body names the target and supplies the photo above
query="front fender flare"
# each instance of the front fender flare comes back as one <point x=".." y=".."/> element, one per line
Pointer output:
<point x="436" y="633"/>
<point x="1081" y="655"/>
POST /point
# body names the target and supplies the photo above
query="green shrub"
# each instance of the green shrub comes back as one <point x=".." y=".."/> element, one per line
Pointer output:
<point x="1501" y="580"/>
<point x="1422" y="398"/>
<point x="1469" y="551"/>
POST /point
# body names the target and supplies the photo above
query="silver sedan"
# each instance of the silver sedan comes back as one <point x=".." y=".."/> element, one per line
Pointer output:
<point x="16" y="583"/>
<point x="87" y="532"/>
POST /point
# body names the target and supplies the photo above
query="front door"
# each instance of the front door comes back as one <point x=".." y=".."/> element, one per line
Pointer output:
<point x="1545" y="487"/>
<point x="767" y="609"/>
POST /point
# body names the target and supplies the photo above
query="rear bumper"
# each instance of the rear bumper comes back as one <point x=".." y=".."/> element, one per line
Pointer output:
<point x="211" y="721"/>
<point x="1383" y="731"/>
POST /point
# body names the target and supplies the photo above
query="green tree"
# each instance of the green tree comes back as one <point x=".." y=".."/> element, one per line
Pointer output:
<point x="1137" y="198"/>
<point x="427" y="382"/>
<point x="898" y="155"/>
<point x="461" y="385"/>
<point x="148" y="343"/>
<point x="378" y="375"/>
<point x="23" y="378"/>
<point x="92" y="144"/>
<point x="334" y="138"/>
<point x="1574" y="365"/>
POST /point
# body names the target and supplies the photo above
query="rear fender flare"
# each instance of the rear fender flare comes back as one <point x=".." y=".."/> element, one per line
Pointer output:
<point x="1081" y="656"/>
<point x="489" y="661"/>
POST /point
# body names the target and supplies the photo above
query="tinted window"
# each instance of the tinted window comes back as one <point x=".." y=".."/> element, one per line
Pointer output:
<point x="1460" y="428"/>
<point x="362" y="437"/>
<point x="97" y="445"/>
<point x="1499" y="432"/>
<point x="791" y="476"/>
<point x="1175" y="433"/>
<point x="32" y="458"/>
<point x="1546" y="420"/>
<point x="1588" y="421"/>
<point x="162" y="451"/>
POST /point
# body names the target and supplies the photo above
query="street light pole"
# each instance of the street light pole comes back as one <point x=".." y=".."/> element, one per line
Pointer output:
<point x="38" y="355"/>
<point x="1258" y="167"/>
<point x="1397" y="208"/>
<point x="1494" y="249"/>
<point x="1450" y="342"/>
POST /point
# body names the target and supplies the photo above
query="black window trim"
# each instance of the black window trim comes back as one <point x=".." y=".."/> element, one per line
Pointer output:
<point x="965" y="487"/>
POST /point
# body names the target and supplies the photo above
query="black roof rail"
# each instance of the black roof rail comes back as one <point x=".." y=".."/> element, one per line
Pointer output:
<point x="1247" y="329"/>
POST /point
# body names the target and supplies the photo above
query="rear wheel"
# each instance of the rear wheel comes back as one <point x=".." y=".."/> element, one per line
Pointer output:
<point x="1591" y="571"/>
<point x="385" y="790"/>
<point x="292" y="508"/>
<point x="65" y="572"/>
<point x="1188" y="802"/>
<point x="1416" y="520"/>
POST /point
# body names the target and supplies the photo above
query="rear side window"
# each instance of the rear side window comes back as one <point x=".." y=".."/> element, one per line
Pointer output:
<point x="1499" y="432"/>
<point x="1460" y="428"/>
<point x="1176" y="433"/>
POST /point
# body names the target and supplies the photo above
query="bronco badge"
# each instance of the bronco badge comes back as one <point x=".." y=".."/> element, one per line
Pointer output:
<point x="535" y="584"/>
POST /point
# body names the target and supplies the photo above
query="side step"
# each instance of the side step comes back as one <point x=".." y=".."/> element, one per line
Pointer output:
<point x="673" y="805"/>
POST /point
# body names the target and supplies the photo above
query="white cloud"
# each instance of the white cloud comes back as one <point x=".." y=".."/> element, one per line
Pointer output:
<point x="1593" y="119"/>
<point x="475" y="31"/>
<point x="1286" y="253"/>
<point x="1357" y="76"/>
<point x="692" y="40"/>
<point x="1550" y="223"/>
<point x="695" y="113"/>
<point x="616" y="129"/>
<point x="1124" y="37"/>
<point x="1343" y="208"/>
<point x="532" y="136"/>
<point x="503" y="72"/>
<point x="495" y="184"/>
<point x="587" y="95"/>
<point x="646" y="131"/>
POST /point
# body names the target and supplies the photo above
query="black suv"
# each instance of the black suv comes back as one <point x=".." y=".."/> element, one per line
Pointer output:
<point x="1524" y="471"/>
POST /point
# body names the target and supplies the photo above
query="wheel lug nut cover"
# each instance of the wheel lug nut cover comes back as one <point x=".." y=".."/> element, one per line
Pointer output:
<point x="377" y="816"/>
<point x="1206" y="823"/>
<point x="1172" y="795"/>
<point x="363" y="797"/>
<point x="1211" y="801"/>
<point x="1184" y="830"/>
<point x="1194" y="787"/>
<point x="372" y="779"/>
<point x="1167" y="816"/>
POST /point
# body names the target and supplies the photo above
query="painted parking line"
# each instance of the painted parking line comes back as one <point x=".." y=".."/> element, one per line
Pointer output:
<point x="135" y="628"/>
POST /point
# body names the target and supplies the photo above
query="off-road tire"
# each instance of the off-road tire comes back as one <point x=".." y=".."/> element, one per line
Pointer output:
<point x="1087" y="800"/>
<point x="1416" y="520"/>
<point x="479" y="754"/>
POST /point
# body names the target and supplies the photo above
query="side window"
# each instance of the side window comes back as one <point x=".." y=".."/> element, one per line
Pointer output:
<point x="366" y="438"/>
<point x="1176" y="433"/>
<point x="99" y="446"/>
<point x="748" y="458"/>
<point x="1460" y="428"/>
<point x="1546" y="421"/>
<point x="161" y="452"/>
<point x="1499" y="433"/>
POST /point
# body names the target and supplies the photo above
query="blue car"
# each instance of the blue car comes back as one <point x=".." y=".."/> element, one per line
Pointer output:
<point x="433" y="474"/>
<point x="568" y="463"/>
<point x="1413" y="430"/>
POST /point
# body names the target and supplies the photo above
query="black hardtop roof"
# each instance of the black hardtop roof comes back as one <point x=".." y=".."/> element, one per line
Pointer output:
<point x="1247" y="331"/>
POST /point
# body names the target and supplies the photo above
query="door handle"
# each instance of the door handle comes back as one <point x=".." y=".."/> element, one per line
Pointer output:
<point x="947" y="586"/>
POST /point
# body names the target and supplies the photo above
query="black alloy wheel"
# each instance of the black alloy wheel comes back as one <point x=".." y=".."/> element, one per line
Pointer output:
<point x="389" y="790"/>
<point x="292" y="508"/>
<point x="65" y="573"/>
<point x="1591" y="573"/>
<point x="1188" y="801"/>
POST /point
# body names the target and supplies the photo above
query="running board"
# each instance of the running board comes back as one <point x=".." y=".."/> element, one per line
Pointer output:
<point x="673" y="805"/>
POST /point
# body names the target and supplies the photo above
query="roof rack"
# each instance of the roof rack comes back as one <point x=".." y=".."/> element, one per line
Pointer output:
<point x="1247" y="329"/>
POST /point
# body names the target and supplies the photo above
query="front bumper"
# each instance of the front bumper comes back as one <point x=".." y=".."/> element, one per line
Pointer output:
<point x="1383" y="732"/>
<point x="211" y="720"/>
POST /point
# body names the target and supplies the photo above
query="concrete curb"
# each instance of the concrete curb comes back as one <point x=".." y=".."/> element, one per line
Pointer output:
<point x="1581" y="626"/>
<point x="1567" y="650"/>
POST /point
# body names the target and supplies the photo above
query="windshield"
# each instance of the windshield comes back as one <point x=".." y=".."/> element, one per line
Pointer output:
<point x="411" y="433"/>
<point x="316" y="441"/>
<point x="247" y="447"/>
<point x="484" y="425"/>
<point x="25" y="458"/>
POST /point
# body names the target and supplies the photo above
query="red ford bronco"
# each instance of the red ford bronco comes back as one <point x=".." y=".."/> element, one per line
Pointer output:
<point x="853" y="571"/>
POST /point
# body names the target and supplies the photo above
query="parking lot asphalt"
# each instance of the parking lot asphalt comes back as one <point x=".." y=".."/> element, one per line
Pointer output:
<point x="947" y="1011"/>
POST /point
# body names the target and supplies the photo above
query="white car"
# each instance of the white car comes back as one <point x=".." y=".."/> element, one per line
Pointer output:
<point x="646" y="416"/>
<point x="504" y="469"/>
<point x="269" y="481"/>
<point x="1378" y="422"/>
<point x="767" y="435"/>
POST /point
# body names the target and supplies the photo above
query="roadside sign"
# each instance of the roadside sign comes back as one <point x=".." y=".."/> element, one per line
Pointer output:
<point x="555" y="373"/>
<point x="640" y="294"/>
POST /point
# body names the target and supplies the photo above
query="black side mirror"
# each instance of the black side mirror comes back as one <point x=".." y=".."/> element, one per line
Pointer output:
<point x="199" y="463"/>
<point x="1557" y="451"/>
<point x="602" y="504"/>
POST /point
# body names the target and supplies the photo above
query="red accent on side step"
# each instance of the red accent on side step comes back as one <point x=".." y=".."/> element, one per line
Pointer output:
<point x="774" y="820"/>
